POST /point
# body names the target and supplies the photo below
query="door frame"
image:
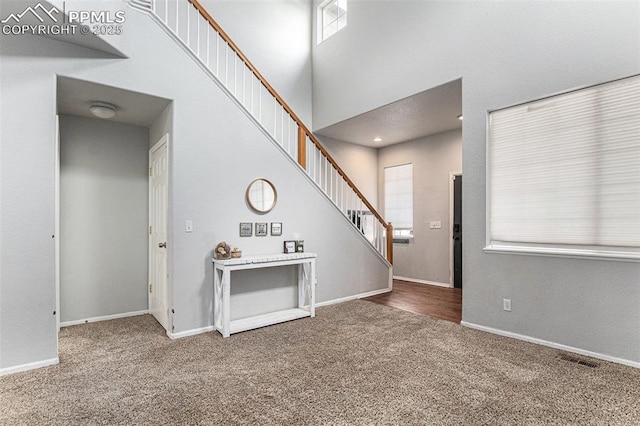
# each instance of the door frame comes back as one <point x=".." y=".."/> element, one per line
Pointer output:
<point x="165" y="139"/>
<point x="56" y="231"/>
<point x="452" y="176"/>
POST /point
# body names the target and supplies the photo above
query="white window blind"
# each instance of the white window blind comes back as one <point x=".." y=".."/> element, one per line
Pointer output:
<point x="398" y="198"/>
<point x="565" y="170"/>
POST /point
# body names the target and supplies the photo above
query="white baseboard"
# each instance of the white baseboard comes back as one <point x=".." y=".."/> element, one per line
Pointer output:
<point x="209" y="328"/>
<point x="206" y="329"/>
<point x="552" y="344"/>
<point x="103" y="318"/>
<point x="415" y="280"/>
<point x="30" y="366"/>
<point x="192" y="332"/>
<point x="354" y="297"/>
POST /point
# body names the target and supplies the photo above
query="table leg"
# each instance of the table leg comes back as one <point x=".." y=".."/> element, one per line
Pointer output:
<point x="311" y="282"/>
<point x="226" y="302"/>
<point x="302" y="288"/>
<point x="217" y="299"/>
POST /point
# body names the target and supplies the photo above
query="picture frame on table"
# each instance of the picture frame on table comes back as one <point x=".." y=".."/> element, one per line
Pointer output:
<point x="289" y="247"/>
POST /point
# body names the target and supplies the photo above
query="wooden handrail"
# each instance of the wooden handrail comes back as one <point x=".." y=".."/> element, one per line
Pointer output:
<point x="247" y="62"/>
<point x="303" y="131"/>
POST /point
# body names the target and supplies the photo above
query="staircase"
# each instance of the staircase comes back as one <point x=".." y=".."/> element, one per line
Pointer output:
<point x="196" y="31"/>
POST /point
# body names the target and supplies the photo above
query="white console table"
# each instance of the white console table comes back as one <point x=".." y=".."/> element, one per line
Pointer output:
<point x="222" y="290"/>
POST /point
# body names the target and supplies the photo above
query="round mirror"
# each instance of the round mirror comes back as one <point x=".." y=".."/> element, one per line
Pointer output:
<point x="261" y="195"/>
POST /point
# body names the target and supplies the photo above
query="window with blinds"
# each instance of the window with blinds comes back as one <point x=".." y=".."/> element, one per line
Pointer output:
<point x="564" y="172"/>
<point x="398" y="199"/>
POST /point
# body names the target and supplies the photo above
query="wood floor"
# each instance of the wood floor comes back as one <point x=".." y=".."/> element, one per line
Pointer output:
<point x="440" y="302"/>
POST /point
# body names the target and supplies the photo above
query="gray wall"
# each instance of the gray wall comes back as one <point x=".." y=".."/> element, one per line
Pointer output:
<point x="162" y="125"/>
<point x="215" y="152"/>
<point x="103" y="218"/>
<point x="426" y="257"/>
<point x="506" y="53"/>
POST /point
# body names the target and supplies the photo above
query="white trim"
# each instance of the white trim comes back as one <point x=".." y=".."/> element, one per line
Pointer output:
<point x="208" y="328"/>
<point x="193" y="332"/>
<point x="623" y="256"/>
<point x="354" y="297"/>
<point x="452" y="176"/>
<point x="30" y="366"/>
<point x="103" y="318"/>
<point x="417" y="281"/>
<point x="168" y="289"/>
<point x="551" y="344"/>
<point x="56" y="232"/>
<point x="390" y="287"/>
<point x="164" y="139"/>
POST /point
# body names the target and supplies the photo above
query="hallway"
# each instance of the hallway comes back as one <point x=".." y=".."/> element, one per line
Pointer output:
<point x="439" y="302"/>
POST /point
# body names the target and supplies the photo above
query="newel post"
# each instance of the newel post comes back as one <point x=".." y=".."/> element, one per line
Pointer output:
<point x="390" y="243"/>
<point x="302" y="148"/>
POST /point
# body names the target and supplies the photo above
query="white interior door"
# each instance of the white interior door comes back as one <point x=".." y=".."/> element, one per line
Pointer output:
<point x="158" y="200"/>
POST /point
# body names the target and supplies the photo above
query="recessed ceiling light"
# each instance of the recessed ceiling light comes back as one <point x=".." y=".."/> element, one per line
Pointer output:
<point x="460" y="117"/>
<point x="103" y="110"/>
<point x="378" y="139"/>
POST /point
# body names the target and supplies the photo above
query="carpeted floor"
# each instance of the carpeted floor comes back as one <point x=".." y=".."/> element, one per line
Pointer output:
<point x="355" y="363"/>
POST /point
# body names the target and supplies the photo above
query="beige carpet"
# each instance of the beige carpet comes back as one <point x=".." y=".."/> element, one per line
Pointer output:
<point x="355" y="363"/>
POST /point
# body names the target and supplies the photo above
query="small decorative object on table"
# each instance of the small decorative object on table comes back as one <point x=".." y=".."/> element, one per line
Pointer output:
<point x="289" y="247"/>
<point x="300" y="246"/>
<point x="236" y="253"/>
<point x="222" y="251"/>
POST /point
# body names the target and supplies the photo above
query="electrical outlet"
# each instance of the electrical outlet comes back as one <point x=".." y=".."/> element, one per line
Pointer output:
<point x="506" y="305"/>
<point x="188" y="226"/>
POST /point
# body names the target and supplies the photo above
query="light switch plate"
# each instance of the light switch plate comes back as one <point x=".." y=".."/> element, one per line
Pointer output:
<point x="506" y="305"/>
<point x="188" y="226"/>
<point x="435" y="224"/>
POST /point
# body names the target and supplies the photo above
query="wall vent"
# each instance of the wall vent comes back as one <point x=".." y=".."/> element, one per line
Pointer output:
<point x="579" y="361"/>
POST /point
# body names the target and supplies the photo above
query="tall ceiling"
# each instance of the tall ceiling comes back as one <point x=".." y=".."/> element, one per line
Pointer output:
<point x="426" y="113"/>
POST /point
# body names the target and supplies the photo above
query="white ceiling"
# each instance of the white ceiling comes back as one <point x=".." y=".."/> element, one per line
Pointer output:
<point x="433" y="111"/>
<point x="75" y="97"/>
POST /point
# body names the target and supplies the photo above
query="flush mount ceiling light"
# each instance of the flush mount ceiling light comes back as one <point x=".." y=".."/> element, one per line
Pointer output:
<point x="378" y="139"/>
<point x="103" y="110"/>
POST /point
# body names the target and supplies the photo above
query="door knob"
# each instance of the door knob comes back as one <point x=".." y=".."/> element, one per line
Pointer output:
<point x="162" y="245"/>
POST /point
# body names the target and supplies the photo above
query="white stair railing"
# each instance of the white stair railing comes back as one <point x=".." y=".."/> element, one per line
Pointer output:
<point x="192" y="26"/>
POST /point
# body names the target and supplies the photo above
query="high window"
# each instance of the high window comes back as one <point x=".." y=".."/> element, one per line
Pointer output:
<point x="332" y="17"/>
<point x="564" y="174"/>
<point x="398" y="199"/>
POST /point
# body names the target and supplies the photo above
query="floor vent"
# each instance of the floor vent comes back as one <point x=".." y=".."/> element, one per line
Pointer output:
<point x="579" y="361"/>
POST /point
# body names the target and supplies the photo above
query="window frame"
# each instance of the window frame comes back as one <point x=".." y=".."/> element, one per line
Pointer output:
<point x="320" y="20"/>
<point x="625" y="254"/>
